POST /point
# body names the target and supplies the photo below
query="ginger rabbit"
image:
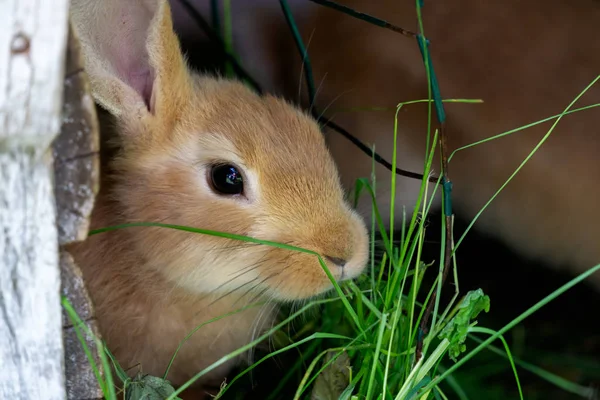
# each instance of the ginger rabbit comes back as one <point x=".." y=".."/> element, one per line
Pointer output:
<point x="208" y="153"/>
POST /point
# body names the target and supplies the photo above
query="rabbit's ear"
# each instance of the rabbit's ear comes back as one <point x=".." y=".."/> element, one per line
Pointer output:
<point x="131" y="55"/>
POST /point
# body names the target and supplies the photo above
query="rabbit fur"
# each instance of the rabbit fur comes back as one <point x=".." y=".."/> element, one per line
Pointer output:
<point x="150" y="285"/>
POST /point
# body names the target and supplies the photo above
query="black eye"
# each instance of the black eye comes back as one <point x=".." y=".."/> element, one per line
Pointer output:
<point x="226" y="179"/>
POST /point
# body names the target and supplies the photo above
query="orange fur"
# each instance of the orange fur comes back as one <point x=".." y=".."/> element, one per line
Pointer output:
<point x="526" y="60"/>
<point x="151" y="286"/>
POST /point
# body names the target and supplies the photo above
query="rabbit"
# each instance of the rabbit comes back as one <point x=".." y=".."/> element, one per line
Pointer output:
<point x="205" y="152"/>
<point x="526" y="61"/>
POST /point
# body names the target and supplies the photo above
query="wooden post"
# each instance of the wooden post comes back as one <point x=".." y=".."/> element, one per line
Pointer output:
<point x="76" y="181"/>
<point x="33" y="37"/>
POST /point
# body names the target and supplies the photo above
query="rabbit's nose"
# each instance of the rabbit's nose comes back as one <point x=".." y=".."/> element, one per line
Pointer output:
<point x="340" y="262"/>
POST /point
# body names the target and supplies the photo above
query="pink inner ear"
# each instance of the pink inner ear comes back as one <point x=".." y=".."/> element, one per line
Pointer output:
<point x="129" y="54"/>
<point x="142" y="81"/>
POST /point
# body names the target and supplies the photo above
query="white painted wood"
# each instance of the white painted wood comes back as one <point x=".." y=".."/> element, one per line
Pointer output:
<point x="33" y="36"/>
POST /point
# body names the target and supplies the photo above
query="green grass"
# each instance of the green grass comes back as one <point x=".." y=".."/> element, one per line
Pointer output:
<point x="370" y="328"/>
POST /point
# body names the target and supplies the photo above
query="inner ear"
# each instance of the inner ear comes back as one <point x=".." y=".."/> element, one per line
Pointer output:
<point x="132" y="56"/>
<point x="128" y="51"/>
<point x="142" y="81"/>
<point x="115" y="41"/>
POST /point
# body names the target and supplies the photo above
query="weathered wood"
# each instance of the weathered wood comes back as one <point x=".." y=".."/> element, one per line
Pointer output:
<point x="76" y="185"/>
<point x="76" y="151"/>
<point x="32" y="46"/>
<point x="81" y="383"/>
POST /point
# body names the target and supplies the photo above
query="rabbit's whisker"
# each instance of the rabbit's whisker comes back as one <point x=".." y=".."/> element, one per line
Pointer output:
<point x="314" y="100"/>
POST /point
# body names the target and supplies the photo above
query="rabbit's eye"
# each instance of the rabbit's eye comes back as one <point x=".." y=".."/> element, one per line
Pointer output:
<point x="226" y="179"/>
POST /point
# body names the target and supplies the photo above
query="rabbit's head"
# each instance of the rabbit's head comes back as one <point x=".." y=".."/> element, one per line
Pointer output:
<point x="210" y="153"/>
